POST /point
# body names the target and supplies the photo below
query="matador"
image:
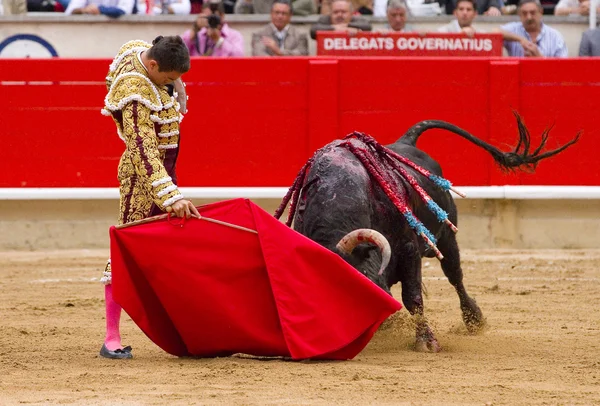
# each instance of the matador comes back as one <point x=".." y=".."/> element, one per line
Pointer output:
<point x="146" y="99"/>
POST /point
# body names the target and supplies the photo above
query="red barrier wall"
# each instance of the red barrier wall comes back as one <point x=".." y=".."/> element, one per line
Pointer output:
<point x="254" y="122"/>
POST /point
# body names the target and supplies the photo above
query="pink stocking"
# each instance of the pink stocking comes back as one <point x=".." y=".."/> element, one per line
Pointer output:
<point x="113" y="317"/>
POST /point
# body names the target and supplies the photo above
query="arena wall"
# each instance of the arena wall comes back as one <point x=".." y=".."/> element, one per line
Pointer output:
<point x="254" y="122"/>
<point x="100" y="36"/>
<point x="483" y="223"/>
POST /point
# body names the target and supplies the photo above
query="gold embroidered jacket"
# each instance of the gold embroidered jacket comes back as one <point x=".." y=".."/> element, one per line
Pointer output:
<point x="147" y="120"/>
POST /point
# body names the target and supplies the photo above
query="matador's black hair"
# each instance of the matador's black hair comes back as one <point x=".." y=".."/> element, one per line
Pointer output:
<point x="170" y="53"/>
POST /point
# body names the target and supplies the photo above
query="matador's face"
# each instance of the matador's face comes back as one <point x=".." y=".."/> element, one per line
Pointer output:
<point x="161" y="78"/>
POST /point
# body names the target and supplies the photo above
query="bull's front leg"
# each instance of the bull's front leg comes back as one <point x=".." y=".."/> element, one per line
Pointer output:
<point x="412" y="297"/>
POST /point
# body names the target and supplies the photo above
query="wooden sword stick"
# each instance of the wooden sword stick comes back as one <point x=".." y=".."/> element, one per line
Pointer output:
<point x="169" y="210"/>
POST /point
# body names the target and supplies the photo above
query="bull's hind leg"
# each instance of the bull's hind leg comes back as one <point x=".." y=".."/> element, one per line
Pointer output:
<point x="471" y="313"/>
<point x="412" y="297"/>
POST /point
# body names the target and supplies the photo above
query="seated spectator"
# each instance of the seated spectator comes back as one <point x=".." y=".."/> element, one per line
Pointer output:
<point x="325" y="7"/>
<point x="279" y="38"/>
<point x="211" y="36"/>
<point x="485" y="7"/>
<point x="548" y="6"/>
<point x="164" y="7"/>
<point x="364" y="7"/>
<point x="196" y="6"/>
<point x="397" y="13"/>
<point x="531" y="37"/>
<point x="567" y="7"/>
<point x="110" y="8"/>
<point x="590" y="43"/>
<point x="47" y="6"/>
<point x="414" y="8"/>
<point x="465" y="14"/>
<point x="340" y="20"/>
<point x="299" y="7"/>
<point x="11" y="7"/>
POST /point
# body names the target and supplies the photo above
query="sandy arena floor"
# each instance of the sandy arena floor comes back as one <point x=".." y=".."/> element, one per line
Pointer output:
<point x="542" y="346"/>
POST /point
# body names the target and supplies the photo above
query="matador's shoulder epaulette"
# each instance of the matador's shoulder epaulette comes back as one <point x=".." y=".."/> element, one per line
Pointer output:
<point x="134" y="86"/>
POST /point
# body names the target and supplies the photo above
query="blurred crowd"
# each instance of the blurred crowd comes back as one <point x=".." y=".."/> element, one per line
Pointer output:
<point x="210" y="35"/>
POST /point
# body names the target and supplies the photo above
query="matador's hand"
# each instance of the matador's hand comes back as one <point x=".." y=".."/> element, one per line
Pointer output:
<point x="181" y="95"/>
<point x="184" y="208"/>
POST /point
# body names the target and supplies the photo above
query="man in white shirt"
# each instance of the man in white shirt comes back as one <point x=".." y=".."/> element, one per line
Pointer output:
<point x="164" y="7"/>
<point x="11" y="7"/>
<point x="465" y="12"/>
<point x="111" y="8"/>
<point x="397" y="13"/>
<point x="531" y="37"/>
<point x="567" y="7"/>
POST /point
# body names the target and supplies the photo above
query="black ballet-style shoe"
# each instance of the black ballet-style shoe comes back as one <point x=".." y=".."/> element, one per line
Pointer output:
<point x="119" y="353"/>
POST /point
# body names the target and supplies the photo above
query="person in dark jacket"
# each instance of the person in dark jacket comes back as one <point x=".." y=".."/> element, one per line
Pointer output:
<point x="590" y="43"/>
<point x="484" y="7"/>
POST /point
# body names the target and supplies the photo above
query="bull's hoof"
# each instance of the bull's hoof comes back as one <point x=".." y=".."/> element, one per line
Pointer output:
<point x="427" y="345"/>
<point x="475" y="326"/>
<point x="473" y="318"/>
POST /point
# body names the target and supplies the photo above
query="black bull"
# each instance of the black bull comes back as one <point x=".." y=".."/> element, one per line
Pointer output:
<point x="335" y="194"/>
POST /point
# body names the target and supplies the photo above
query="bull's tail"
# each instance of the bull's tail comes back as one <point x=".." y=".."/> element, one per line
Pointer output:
<point x="520" y="157"/>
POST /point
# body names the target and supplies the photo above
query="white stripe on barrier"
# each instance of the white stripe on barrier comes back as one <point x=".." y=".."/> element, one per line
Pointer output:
<point x="472" y="192"/>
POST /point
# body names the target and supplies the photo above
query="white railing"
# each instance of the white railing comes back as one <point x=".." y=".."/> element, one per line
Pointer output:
<point x="472" y="192"/>
<point x="593" y="12"/>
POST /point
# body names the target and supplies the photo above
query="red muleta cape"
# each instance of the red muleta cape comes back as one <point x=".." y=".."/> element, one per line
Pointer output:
<point x="203" y="289"/>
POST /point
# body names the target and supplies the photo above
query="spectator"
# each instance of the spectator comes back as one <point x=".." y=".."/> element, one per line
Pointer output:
<point x="340" y="20"/>
<point x="299" y="7"/>
<point x="279" y="38"/>
<point x="590" y="43"/>
<point x="465" y="14"/>
<point x="196" y="7"/>
<point x="364" y="7"/>
<point x="397" y="13"/>
<point x="485" y="7"/>
<point x="10" y="7"/>
<point x="165" y="7"/>
<point x="304" y="7"/>
<point x="47" y="6"/>
<point x="110" y="8"/>
<point x="414" y="8"/>
<point x="531" y="37"/>
<point x="211" y="36"/>
<point x="566" y="7"/>
<point x="252" y="6"/>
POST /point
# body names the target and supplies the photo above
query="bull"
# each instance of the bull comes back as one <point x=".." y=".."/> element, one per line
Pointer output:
<point x="376" y="215"/>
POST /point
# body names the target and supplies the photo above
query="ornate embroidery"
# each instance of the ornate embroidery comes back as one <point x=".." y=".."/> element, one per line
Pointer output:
<point x="166" y="190"/>
<point x="168" y="146"/>
<point x="158" y="119"/>
<point x="147" y="120"/>
<point x="172" y="200"/>
<point x="143" y="147"/>
<point x="161" y="181"/>
<point x="169" y="134"/>
<point x="135" y="49"/>
<point x="131" y="86"/>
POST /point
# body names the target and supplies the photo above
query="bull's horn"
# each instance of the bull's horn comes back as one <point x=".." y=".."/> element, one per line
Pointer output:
<point x="353" y="238"/>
